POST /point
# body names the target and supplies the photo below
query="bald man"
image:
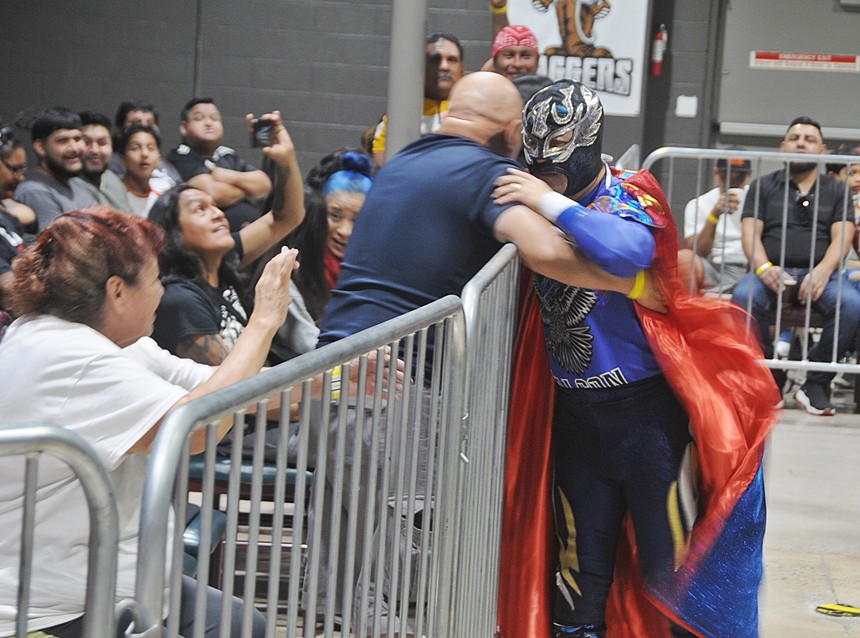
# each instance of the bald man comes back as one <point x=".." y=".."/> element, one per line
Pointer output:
<point x="429" y="224"/>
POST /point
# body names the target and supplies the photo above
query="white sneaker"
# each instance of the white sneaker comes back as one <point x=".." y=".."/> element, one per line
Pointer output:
<point x="841" y="383"/>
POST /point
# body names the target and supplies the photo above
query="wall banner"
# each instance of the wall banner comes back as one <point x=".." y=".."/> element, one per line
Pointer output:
<point x="592" y="41"/>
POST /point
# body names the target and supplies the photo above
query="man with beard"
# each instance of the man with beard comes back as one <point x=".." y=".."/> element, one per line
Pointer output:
<point x="442" y="68"/>
<point x="811" y="197"/>
<point x="59" y="146"/>
<point x="104" y="184"/>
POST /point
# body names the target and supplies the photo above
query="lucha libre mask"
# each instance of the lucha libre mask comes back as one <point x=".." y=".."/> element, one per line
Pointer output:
<point x="563" y="135"/>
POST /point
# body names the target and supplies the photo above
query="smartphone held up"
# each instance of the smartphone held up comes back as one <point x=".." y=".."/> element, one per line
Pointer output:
<point x="262" y="133"/>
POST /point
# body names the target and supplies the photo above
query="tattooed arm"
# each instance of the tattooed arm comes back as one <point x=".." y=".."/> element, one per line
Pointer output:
<point x="209" y="349"/>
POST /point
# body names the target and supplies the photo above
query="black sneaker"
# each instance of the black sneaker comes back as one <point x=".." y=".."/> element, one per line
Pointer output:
<point x="813" y="397"/>
<point x="780" y="377"/>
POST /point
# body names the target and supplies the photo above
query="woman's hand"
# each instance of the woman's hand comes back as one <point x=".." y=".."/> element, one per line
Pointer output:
<point x="519" y="187"/>
<point x="272" y="294"/>
<point x="282" y="150"/>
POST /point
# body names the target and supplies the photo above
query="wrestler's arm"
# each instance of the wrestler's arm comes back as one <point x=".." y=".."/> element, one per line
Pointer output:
<point x="546" y="251"/>
<point x="618" y="245"/>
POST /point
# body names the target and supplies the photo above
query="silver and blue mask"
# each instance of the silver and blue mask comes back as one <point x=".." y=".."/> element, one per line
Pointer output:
<point x="563" y="133"/>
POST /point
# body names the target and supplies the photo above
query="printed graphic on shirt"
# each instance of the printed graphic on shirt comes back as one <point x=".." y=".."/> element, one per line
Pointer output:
<point x="563" y="309"/>
<point x="233" y="318"/>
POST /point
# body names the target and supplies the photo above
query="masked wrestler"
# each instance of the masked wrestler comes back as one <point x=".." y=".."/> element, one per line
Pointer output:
<point x="636" y="394"/>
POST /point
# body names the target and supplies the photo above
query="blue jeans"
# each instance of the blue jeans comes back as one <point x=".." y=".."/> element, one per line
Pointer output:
<point x="764" y="300"/>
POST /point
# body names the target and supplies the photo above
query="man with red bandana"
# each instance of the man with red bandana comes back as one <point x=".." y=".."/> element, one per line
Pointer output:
<point x="656" y="486"/>
<point x="515" y="52"/>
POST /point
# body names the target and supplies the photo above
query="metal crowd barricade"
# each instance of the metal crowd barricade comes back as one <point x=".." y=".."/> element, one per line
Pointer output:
<point x="490" y="305"/>
<point x="32" y="442"/>
<point x="792" y="311"/>
<point x="380" y="547"/>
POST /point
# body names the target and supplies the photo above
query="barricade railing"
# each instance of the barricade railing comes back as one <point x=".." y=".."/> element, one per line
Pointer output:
<point x="32" y="442"/>
<point x="791" y="310"/>
<point x="384" y="461"/>
<point x="490" y="306"/>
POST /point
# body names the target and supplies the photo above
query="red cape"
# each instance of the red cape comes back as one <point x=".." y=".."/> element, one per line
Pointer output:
<point x="714" y="366"/>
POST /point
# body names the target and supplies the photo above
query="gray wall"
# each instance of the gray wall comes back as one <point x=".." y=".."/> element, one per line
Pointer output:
<point x="322" y="63"/>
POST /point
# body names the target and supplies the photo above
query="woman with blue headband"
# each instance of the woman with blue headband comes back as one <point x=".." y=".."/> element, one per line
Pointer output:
<point x="336" y="189"/>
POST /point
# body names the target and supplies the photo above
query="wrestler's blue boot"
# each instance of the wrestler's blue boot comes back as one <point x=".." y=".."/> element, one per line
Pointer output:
<point x="591" y="630"/>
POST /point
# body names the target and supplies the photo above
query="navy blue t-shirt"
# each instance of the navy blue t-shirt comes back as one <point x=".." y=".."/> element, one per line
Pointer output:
<point x="425" y="229"/>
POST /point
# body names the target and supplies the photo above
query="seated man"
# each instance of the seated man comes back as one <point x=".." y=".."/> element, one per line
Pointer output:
<point x="101" y="182"/>
<point x="215" y="169"/>
<point x="59" y="146"/>
<point x="811" y="197"/>
<point x="712" y="231"/>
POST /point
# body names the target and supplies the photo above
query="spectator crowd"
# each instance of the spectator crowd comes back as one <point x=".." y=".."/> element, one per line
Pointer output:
<point x="177" y="270"/>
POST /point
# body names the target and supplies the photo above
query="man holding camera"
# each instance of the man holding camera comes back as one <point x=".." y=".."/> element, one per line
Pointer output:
<point x="215" y="169"/>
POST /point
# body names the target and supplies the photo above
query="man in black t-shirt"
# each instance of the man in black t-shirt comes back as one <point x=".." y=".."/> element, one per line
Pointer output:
<point x="814" y="225"/>
<point x="215" y="169"/>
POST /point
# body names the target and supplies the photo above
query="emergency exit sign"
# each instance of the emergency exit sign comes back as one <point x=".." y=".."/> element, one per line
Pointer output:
<point x="804" y="61"/>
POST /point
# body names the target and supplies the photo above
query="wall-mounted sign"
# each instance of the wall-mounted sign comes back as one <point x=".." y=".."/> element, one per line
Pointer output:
<point x="804" y="61"/>
<point x="592" y="41"/>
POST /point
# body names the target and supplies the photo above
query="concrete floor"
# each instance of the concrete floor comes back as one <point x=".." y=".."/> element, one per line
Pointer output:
<point x="812" y="543"/>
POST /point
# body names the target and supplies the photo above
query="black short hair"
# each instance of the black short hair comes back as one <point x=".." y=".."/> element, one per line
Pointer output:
<point x="842" y="149"/>
<point x="439" y="35"/>
<point x="53" y="119"/>
<point x="91" y="118"/>
<point x="131" y="129"/>
<point x="805" y="119"/>
<point x="127" y="107"/>
<point x="190" y="104"/>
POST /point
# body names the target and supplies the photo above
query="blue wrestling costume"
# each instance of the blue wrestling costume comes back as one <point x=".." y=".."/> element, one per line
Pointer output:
<point x="659" y="505"/>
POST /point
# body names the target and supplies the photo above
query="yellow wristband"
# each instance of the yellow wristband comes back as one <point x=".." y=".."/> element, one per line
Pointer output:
<point x="762" y="268"/>
<point x="713" y="219"/>
<point x="335" y="383"/>
<point x="499" y="10"/>
<point x="638" y="286"/>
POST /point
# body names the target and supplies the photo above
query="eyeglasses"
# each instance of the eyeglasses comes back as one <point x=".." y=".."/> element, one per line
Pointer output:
<point x="17" y="169"/>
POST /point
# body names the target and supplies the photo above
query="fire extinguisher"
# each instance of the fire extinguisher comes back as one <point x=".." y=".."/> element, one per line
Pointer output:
<point x="658" y="50"/>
